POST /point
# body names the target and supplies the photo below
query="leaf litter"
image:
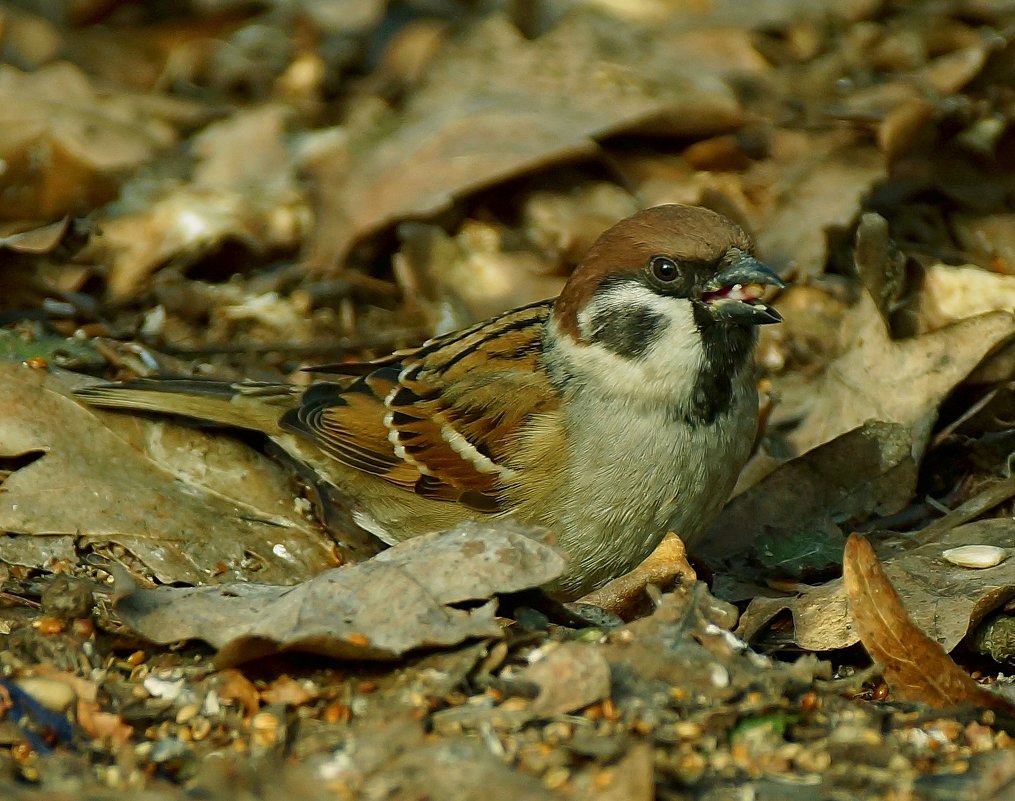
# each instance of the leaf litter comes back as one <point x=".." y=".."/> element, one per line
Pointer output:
<point x="120" y="495"/>
<point x="310" y="184"/>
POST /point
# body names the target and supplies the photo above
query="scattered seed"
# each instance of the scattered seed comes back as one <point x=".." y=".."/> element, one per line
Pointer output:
<point x="976" y="556"/>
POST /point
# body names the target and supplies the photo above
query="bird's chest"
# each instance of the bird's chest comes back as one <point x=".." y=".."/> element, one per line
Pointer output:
<point x="656" y="467"/>
<point x="633" y="474"/>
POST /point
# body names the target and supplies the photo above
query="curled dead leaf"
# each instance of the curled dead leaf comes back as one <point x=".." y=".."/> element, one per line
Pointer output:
<point x="945" y="600"/>
<point x="915" y="667"/>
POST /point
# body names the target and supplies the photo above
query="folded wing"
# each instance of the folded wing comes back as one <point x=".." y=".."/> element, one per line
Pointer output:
<point x="441" y="419"/>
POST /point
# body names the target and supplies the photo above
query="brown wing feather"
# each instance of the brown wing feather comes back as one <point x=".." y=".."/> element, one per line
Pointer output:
<point x="441" y="418"/>
<point x="347" y="422"/>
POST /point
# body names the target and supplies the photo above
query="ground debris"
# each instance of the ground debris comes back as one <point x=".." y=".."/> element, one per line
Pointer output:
<point x="239" y="190"/>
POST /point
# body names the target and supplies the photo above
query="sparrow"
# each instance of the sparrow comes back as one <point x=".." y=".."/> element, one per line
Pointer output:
<point x="622" y="409"/>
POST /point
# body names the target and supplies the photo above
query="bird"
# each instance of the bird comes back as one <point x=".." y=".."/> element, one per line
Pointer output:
<point x="620" y="410"/>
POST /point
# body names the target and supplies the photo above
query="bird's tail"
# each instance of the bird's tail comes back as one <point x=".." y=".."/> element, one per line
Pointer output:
<point x="256" y="406"/>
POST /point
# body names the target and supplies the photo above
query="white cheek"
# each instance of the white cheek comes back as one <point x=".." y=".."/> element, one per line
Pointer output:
<point x="677" y="355"/>
<point x="665" y="371"/>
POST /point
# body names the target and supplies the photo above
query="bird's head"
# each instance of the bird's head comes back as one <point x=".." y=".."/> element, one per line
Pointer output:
<point x="690" y="255"/>
<point x="663" y="296"/>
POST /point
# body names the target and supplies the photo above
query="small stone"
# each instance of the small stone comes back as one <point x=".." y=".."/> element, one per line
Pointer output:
<point x="556" y="778"/>
<point x="690" y="767"/>
<point x="200" y="728"/>
<point x="266" y="730"/>
<point x="166" y="689"/>
<point x="687" y="730"/>
<point x="166" y="750"/>
<point x="604" y="748"/>
<point x="66" y="597"/>
<point x="558" y="731"/>
<point x="55" y="695"/>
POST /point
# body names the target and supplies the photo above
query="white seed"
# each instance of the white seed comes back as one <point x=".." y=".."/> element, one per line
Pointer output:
<point x="976" y="556"/>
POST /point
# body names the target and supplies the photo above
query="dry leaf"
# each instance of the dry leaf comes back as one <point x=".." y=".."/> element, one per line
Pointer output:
<point x="915" y="667"/>
<point x="232" y="685"/>
<point x="286" y="690"/>
<point x="80" y="474"/>
<point x="456" y="769"/>
<point x="809" y="184"/>
<point x="880" y="265"/>
<point x="632" y="778"/>
<point x="244" y="189"/>
<point x="877" y="378"/>
<point x="36" y="240"/>
<point x="868" y="469"/>
<point x="405" y="598"/>
<point x="953" y="293"/>
<point x="64" y="146"/>
<point x="495" y="105"/>
<point x="813" y="183"/>
<point x="473" y="271"/>
<point x="988" y="237"/>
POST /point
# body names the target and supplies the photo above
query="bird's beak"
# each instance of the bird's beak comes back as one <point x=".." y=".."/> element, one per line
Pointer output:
<point x="732" y="295"/>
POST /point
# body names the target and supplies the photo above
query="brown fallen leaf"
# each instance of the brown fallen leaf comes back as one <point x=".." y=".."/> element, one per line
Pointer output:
<point x="631" y="778"/>
<point x="954" y="292"/>
<point x="915" y="667"/>
<point x="570" y="676"/>
<point x="65" y="144"/>
<point x="989" y="239"/>
<point x="243" y="189"/>
<point x="232" y="685"/>
<point x="407" y="597"/>
<point x="880" y="265"/>
<point x="868" y="469"/>
<point x="473" y="273"/>
<point x="36" y="240"/>
<point x="288" y="691"/>
<point x="680" y="644"/>
<point x="811" y="183"/>
<point x="816" y="183"/>
<point x="877" y="378"/>
<point x="455" y="769"/>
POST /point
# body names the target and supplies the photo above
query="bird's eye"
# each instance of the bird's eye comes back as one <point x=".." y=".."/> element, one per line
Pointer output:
<point x="664" y="268"/>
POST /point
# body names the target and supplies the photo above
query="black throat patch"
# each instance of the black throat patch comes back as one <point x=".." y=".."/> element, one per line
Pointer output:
<point x="728" y="350"/>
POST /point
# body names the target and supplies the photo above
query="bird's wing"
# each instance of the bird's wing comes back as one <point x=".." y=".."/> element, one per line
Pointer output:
<point x="441" y="419"/>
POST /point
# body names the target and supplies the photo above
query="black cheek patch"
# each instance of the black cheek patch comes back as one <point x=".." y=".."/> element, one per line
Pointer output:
<point x="628" y="332"/>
